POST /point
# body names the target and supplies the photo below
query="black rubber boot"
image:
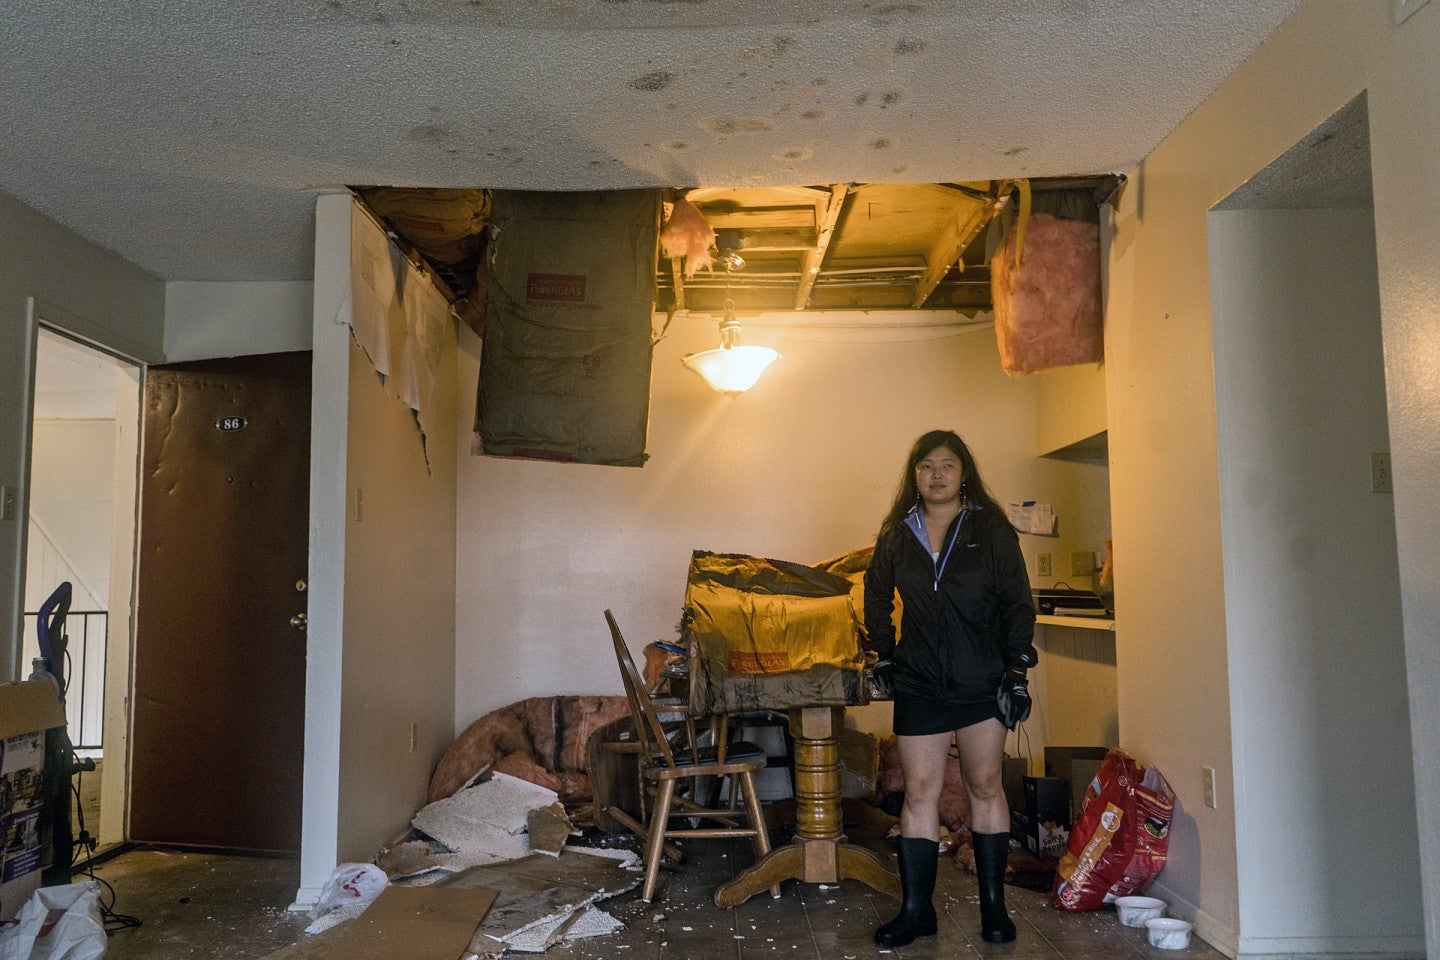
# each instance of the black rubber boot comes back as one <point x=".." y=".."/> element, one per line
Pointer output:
<point x="918" y="857"/>
<point x="992" y="850"/>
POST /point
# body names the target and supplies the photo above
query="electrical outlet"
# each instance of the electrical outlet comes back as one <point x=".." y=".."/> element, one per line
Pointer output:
<point x="1207" y="786"/>
<point x="414" y="729"/>
<point x="9" y="503"/>
<point x="1082" y="563"/>
<point x="1380" y="480"/>
<point x="359" y="504"/>
<point x="1043" y="566"/>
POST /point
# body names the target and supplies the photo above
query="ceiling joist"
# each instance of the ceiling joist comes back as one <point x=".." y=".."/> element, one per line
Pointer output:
<point x="958" y="234"/>
<point x="827" y="213"/>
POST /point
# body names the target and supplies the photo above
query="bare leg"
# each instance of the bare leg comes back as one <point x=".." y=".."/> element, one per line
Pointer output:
<point x="922" y="760"/>
<point x="982" y="748"/>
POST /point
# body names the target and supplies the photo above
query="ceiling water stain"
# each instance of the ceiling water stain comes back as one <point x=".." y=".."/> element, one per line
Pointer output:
<point x="654" y="80"/>
<point x="794" y="154"/>
<point x="1013" y="151"/>
<point x="433" y="133"/>
<point x="909" y="46"/>
<point x="880" y="143"/>
<point x="726" y="126"/>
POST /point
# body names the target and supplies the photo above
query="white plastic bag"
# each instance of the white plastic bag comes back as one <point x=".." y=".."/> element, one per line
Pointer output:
<point x="350" y="889"/>
<point x="57" y="923"/>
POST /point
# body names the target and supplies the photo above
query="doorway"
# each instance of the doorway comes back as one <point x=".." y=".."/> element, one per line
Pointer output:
<point x="219" y="690"/>
<point x="1319" y="710"/>
<point x="81" y="530"/>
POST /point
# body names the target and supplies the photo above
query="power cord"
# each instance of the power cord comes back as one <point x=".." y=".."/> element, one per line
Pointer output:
<point x="83" y="848"/>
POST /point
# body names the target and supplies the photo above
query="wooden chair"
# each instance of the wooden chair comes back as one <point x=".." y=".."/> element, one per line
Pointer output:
<point x="662" y="766"/>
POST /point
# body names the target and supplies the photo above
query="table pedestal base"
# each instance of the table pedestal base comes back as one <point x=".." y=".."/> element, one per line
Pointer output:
<point x="819" y="853"/>
<point x="813" y="861"/>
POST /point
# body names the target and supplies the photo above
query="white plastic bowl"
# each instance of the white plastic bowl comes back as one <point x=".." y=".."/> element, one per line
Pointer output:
<point x="1168" y="933"/>
<point x="1134" y="911"/>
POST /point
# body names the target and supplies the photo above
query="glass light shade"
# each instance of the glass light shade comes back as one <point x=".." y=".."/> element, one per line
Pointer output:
<point x="731" y="370"/>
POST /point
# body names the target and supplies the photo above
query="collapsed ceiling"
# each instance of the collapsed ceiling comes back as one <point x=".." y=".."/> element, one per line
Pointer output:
<point x="871" y="246"/>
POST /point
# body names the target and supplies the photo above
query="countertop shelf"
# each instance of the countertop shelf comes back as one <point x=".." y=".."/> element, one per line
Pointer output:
<point x="1083" y="623"/>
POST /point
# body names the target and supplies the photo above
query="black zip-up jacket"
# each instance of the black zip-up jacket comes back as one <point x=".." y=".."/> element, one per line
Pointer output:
<point x="967" y="617"/>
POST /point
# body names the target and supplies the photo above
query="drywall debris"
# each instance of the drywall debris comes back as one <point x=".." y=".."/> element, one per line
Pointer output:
<point x="540" y="897"/>
<point x="548" y="829"/>
<point x="502" y="803"/>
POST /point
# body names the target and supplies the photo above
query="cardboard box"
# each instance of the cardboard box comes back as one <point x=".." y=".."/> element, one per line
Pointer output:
<point x="27" y="710"/>
<point x="1078" y="765"/>
<point x="1012" y="777"/>
<point x="1043" y="823"/>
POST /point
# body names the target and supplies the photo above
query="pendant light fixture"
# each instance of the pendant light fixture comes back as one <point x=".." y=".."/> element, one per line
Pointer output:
<point x="732" y="368"/>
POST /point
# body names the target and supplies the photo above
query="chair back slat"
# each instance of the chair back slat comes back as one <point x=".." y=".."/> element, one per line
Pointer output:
<point x="647" y="722"/>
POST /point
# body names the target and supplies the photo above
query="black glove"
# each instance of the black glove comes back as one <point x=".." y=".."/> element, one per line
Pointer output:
<point x="882" y="680"/>
<point x="1013" y="698"/>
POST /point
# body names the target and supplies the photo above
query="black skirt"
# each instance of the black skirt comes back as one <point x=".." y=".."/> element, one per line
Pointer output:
<point x="918" y="716"/>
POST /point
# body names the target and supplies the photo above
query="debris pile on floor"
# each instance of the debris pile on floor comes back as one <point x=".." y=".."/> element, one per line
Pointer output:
<point x="496" y="848"/>
<point x="503" y="818"/>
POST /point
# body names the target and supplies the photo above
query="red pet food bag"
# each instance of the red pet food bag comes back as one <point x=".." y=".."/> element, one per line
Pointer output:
<point x="1120" y="843"/>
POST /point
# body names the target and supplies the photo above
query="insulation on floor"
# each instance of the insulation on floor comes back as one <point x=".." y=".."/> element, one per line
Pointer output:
<point x="570" y="289"/>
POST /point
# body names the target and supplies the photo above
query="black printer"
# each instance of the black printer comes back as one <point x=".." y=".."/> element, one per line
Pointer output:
<point x="1064" y="602"/>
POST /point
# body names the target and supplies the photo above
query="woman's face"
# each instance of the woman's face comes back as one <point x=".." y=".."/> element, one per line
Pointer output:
<point x="938" y="476"/>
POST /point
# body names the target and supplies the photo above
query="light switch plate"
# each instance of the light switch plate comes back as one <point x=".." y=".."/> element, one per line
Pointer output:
<point x="1380" y="478"/>
<point x="9" y="503"/>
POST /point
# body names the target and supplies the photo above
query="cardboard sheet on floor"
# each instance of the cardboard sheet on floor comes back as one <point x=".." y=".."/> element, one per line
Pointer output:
<point x="417" y="923"/>
<point x="539" y="894"/>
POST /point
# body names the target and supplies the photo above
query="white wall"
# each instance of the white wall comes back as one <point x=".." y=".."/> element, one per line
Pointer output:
<point x="381" y="655"/>
<point x="1171" y="639"/>
<point x="800" y="468"/>
<point x="233" y="319"/>
<point x="1319" y="728"/>
<point x="72" y="476"/>
<point x="49" y="273"/>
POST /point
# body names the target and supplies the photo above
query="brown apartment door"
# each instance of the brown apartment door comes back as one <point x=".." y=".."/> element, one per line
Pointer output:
<point x="219" y="700"/>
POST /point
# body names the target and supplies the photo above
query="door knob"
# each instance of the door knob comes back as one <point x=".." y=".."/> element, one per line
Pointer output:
<point x="298" y="622"/>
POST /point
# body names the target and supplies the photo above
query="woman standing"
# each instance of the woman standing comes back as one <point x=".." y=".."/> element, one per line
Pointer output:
<point x="959" y="669"/>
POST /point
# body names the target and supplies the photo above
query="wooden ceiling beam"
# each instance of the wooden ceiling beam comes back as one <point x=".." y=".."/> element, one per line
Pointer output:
<point x="826" y="218"/>
<point x="761" y="218"/>
<point x="950" y="245"/>
<point x="677" y="275"/>
<point x="788" y="240"/>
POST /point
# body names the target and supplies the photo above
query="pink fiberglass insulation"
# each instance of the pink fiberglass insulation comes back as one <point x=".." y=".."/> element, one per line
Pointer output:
<point x="688" y="234"/>
<point x="1047" y="312"/>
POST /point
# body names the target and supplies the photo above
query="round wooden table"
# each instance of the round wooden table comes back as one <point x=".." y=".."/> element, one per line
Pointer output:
<point x="819" y="853"/>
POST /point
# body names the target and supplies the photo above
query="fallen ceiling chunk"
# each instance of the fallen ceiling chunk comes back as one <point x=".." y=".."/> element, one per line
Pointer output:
<point x="539" y="894"/>
<point x="424" y="923"/>
<point x="484" y="818"/>
<point x="548" y="829"/>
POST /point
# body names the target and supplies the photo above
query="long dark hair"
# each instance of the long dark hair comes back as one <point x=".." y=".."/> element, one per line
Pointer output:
<point x="972" y="488"/>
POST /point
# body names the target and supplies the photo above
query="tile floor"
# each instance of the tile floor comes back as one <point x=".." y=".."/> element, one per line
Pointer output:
<point x="204" y="905"/>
